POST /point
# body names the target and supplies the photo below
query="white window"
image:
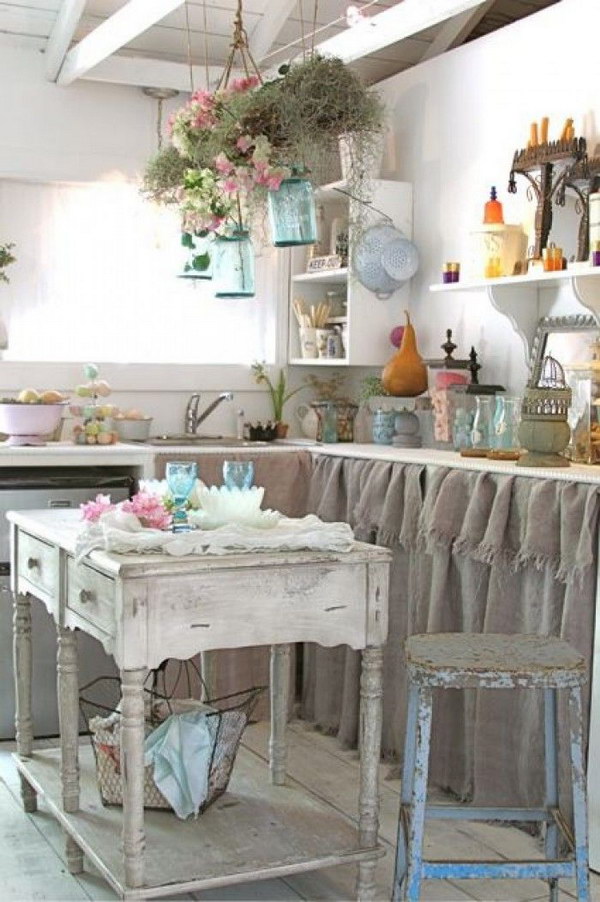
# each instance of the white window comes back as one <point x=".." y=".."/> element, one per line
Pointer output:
<point x="95" y="279"/>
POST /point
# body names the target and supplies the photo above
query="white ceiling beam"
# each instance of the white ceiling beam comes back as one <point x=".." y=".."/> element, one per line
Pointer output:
<point x="268" y="27"/>
<point x="142" y="72"/>
<point x="116" y="31"/>
<point x="67" y="20"/>
<point x="455" y="30"/>
<point x="392" y="25"/>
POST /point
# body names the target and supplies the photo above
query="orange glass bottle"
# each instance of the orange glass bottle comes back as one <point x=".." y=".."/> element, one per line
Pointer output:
<point x="492" y="212"/>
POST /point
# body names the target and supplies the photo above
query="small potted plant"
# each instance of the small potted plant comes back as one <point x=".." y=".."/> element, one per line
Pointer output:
<point x="279" y="391"/>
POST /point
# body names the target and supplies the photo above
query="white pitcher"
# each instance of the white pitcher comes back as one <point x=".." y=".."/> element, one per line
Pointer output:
<point x="308" y="419"/>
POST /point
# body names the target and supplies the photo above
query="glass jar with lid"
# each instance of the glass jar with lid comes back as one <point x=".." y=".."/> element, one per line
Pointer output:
<point x="584" y="414"/>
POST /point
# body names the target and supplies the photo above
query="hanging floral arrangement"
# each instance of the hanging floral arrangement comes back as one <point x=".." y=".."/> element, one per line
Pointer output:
<point x="6" y="258"/>
<point x="231" y="147"/>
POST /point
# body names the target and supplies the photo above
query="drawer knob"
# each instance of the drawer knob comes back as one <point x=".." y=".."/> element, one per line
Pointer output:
<point x="32" y="563"/>
<point x="86" y="595"/>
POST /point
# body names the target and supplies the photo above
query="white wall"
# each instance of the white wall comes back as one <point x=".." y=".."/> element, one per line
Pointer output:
<point x="458" y="120"/>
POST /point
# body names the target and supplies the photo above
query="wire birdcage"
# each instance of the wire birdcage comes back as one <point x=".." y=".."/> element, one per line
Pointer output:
<point x="548" y="397"/>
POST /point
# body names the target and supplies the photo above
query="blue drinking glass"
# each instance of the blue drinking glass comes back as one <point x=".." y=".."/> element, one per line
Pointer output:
<point x="181" y="477"/>
<point x="238" y="474"/>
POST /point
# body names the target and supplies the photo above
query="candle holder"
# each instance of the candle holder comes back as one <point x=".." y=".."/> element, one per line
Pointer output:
<point x="544" y="430"/>
<point x="545" y="166"/>
<point x="583" y="177"/>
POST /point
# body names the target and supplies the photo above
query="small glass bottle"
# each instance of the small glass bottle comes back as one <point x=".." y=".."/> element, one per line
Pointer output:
<point x="506" y="423"/>
<point x="383" y="426"/>
<point x="481" y="432"/>
<point x="461" y="429"/>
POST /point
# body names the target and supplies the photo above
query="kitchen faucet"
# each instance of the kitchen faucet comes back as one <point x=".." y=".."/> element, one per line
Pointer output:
<point x="193" y="418"/>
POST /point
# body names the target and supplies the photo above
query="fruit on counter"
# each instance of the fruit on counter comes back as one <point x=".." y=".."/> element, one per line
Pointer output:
<point x="133" y="414"/>
<point x="52" y="397"/>
<point x="28" y="396"/>
<point x="405" y="375"/>
<point x="32" y="396"/>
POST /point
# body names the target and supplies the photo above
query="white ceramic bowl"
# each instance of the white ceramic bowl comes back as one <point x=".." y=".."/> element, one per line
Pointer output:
<point x="133" y="430"/>
<point x="30" y="424"/>
<point x="220" y="505"/>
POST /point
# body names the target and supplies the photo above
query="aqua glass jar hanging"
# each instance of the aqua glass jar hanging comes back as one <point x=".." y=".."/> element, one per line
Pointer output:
<point x="198" y="264"/>
<point x="233" y="265"/>
<point x="292" y="212"/>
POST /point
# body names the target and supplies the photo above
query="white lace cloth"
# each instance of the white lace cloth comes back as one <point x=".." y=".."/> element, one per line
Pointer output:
<point x="123" y="533"/>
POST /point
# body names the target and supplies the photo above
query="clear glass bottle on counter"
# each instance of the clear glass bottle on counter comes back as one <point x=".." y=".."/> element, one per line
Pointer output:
<point x="481" y="432"/>
<point x="584" y="381"/>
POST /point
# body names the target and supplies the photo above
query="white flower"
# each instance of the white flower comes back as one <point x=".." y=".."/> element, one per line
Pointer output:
<point x="156" y="487"/>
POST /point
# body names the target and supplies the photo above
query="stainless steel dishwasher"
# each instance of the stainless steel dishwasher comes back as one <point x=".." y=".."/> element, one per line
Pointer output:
<point x="34" y="489"/>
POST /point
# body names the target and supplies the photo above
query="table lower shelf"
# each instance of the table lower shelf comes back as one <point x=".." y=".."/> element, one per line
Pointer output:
<point x="254" y="830"/>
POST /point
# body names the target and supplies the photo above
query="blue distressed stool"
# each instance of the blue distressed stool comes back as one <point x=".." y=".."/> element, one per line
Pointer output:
<point x="489" y="661"/>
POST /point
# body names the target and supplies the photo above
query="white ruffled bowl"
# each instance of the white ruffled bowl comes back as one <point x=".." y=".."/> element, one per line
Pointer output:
<point x="30" y="424"/>
<point x="220" y="506"/>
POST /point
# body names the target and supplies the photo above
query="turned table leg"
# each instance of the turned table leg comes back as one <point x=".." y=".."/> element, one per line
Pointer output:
<point x="371" y="692"/>
<point x="22" y="656"/>
<point x="68" y="717"/>
<point x="74" y="855"/>
<point x="132" y="770"/>
<point x="280" y="687"/>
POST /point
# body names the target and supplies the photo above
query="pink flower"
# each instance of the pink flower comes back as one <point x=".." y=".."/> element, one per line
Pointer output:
<point x="274" y="182"/>
<point x="238" y="85"/>
<point x="149" y="509"/>
<point x="93" y="510"/>
<point x="244" y="143"/>
<point x="203" y="97"/>
<point x="230" y="186"/>
<point x="223" y="165"/>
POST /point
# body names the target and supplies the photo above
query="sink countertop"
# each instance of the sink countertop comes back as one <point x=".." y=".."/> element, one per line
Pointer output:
<point x="59" y="454"/>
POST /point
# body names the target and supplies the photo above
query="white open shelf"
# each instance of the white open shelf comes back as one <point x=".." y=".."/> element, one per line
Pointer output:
<point x="563" y="276"/>
<point x="324" y="275"/>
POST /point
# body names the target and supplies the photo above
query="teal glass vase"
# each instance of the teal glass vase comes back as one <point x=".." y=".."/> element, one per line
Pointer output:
<point x="198" y="264"/>
<point x="233" y="265"/>
<point x="292" y="213"/>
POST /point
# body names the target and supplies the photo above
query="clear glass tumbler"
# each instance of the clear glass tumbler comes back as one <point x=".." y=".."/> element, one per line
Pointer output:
<point x="481" y="432"/>
<point x="238" y="474"/>
<point x="181" y="477"/>
<point x="506" y="423"/>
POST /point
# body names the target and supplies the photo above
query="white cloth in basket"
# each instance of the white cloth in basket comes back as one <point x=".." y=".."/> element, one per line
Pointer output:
<point x="123" y="533"/>
<point x="181" y="751"/>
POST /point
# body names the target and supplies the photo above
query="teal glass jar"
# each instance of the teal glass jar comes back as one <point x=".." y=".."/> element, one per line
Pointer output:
<point x="233" y="265"/>
<point x="292" y="212"/>
<point x="198" y="264"/>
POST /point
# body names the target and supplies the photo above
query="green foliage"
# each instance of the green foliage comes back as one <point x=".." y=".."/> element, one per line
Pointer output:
<point x="371" y="387"/>
<point x="6" y="258"/>
<point x="165" y="173"/>
<point x="280" y="395"/>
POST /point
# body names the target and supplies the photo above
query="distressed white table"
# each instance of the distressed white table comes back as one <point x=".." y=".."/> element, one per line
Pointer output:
<point x="146" y="608"/>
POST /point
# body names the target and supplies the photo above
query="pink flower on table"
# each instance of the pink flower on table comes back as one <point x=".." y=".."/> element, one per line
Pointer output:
<point x="93" y="510"/>
<point x="149" y="509"/>
<point x="223" y="165"/>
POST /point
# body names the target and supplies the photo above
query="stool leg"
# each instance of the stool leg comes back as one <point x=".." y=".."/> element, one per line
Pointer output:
<point x="408" y="768"/>
<point x="419" y="795"/>
<point x="551" y="768"/>
<point x="579" y="796"/>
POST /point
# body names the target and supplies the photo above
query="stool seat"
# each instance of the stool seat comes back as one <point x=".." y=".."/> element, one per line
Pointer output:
<point x="493" y="661"/>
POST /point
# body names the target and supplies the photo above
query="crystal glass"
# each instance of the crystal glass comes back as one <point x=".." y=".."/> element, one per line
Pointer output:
<point x="481" y="433"/>
<point x="507" y="417"/>
<point x="327" y="413"/>
<point x="238" y="474"/>
<point x="181" y="477"/>
<point x="233" y="265"/>
<point x="292" y="213"/>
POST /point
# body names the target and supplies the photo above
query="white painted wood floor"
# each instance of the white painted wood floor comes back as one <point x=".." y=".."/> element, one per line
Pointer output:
<point x="31" y="846"/>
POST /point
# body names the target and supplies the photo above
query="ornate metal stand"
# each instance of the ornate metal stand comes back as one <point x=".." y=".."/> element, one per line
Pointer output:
<point x="583" y="178"/>
<point x="543" y="159"/>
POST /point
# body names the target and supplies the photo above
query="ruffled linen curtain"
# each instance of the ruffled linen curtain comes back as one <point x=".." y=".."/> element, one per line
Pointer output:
<point x="473" y="551"/>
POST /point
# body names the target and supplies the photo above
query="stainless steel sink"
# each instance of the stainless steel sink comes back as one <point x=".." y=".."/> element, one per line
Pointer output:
<point x="186" y="438"/>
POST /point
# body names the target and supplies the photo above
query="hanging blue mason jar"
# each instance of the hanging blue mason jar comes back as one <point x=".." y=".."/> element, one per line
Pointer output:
<point x="233" y="265"/>
<point x="292" y="212"/>
<point x="198" y="264"/>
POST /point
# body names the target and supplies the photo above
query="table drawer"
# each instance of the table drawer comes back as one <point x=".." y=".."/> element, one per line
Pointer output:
<point x="91" y="595"/>
<point x="38" y="563"/>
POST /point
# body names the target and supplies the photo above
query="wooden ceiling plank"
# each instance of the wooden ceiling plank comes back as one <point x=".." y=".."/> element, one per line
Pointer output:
<point x="454" y="31"/>
<point x="62" y="34"/>
<point x="145" y="72"/>
<point x="268" y="27"/>
<point x="124" y="25"/>
<point x="392" y="25"/>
